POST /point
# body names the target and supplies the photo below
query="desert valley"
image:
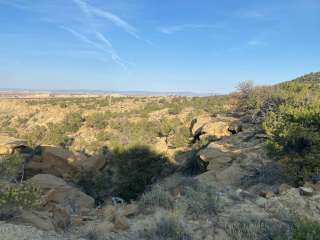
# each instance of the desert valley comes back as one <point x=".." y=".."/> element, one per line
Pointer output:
<point x="237" y="166"/>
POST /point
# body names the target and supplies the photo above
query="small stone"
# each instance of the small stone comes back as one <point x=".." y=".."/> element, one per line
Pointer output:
<point x="129" y="210"/>
<point x="244" y="194"/>
<point x="103" y="228"/>
<point x="314" y="186"/>
<point x="78" y="221"/>
<point x="261" y="202"/>
<point x="110" y="212"/>
<point x="261" y="136"/>
<point x="120" y="224"/>
<point x="238" y="191"/>
<point x="306" y="191"/>
<point x="284" y="188"/>
<point x="267" y="195"/>
<point x="61" y="218"/>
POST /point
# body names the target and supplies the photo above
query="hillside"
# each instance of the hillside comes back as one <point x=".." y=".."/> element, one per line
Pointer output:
<point x="232" y="167"/>
<point x="312" y="77"/>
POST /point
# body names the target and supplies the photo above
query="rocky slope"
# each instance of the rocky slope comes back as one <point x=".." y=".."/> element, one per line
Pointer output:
<point x="249" y="185"/>
<point x="224" y="185"/>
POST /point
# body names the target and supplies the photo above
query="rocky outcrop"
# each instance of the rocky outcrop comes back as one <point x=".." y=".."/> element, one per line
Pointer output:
<point x="60" y="162"/>
<point x="9" y="145"/>
<point x="59" y="193"/>
<point x="52" y="160"/>
<point x="295" y="202"/>
<point x="233" y="157"/>
<point x="218" y="126"/>
<point x="62" y="203"/>
<point x="39" y="219"/>
<point x="199" y="122"/>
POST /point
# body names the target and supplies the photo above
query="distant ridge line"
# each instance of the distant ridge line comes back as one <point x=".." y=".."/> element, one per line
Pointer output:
<point x="103" y="92"/>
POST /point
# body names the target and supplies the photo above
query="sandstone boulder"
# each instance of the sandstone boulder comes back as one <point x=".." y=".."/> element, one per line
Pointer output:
<point x="60" y="162"/>
<point x="53" y="160"/>
<point x="199" y="122"/>
<point x="216" y="154"/>
<point x="217" y="129"/>
<point x="93" y="163"/>
<point x="59" y="193"/>
<point x="9" y="144"/>
<point x="218" y="126"/>
<point x="60" y="217"/>
<point x="14" y="232"/>
<point x="39" y="219"/>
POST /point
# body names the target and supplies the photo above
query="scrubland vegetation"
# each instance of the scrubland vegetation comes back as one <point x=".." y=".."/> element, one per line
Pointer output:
<point x="153" y="155"/>
<point x="117" y="128"/>
<point x="15" y="194"/>
<point x="292" y="122"/>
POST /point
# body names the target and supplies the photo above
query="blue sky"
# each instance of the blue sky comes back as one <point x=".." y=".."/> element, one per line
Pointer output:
<point x="168" y="45"/>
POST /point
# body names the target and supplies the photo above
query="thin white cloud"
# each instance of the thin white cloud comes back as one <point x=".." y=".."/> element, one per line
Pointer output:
<point x="105" y="47"/>
<point x="86" y="25"/>
<point x="82" y="4"/>
<point x="93" y="14"/>
<point x="89" y="10"/>
<point x="103" y="39"/>
<point x="117" y="21"/>
<point x="183" y="27"/>
<point x="16" y="4"/>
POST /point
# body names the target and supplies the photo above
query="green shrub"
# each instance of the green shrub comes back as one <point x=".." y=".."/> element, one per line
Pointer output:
<point x="154" y="199"/>
<point x="22" y="195"/>
<point x="294" y="136"/>
<point x="35" y="136"/>
<point x="181" y="137"/>
<point x="103" y="136"/>
<point x="175" y="109"/>
<point x="305" y="230"/>
<point x="300" y="230"/>
<point x="175" y="133"/>
<point x="56" y="135"/>
<point x="211" y="104"/>
<point x="168" y="126"/>
<point x="136" y="168"/>
<point x="134" y="133"/>
<point x="201" y="201"/>
<point x="168" y="227"/>
<point x="253" y="228"/>
<point x="22" y="121"/>
<point x="63" y="105"/>
<point x="11" y="166"/>
<point x="98" y="120"/>
<point x="72" y="122"/>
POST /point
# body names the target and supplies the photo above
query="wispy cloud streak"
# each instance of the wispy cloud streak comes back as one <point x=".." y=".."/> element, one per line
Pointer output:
<point x="103" y="39"/>
<point x="105" y="45"/>
<point x="117" y="21"/>
<point x="183" y="27"/>
<point x="86" y="22"/>
<point x="89" y="10"/>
